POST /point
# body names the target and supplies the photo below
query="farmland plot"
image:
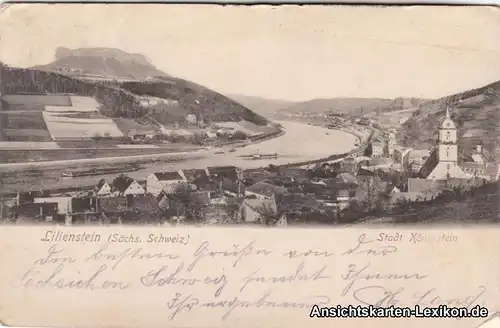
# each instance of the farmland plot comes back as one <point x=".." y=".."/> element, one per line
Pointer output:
<point x="24" y="127"/>
<point x="37" y="100"/>
<point x="85" y="104"/>
<point x="79" y="128"/>
<point x="77" y="104"/>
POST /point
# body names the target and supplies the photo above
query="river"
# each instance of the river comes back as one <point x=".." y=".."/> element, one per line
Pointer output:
<point x="301" y="142"/>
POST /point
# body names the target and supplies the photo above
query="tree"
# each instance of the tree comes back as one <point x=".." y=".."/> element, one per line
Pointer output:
<point x="268" y="213"/>
<point x="187" y="203"/>
<point x="239" y="135"/>
<point x="198" y="138"/>
<point x="372" y="194"/>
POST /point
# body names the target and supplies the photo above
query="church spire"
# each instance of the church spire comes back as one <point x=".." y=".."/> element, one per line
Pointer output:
<point x="447" y="122"/>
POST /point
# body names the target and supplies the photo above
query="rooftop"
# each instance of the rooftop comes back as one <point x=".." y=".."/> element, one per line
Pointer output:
<point x="265" y="189"/>
<point x="168" y="176"/>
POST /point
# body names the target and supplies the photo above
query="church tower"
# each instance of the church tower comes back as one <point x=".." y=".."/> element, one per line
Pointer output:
<point x="448" y="141"/>
<point x="446" y="165"/>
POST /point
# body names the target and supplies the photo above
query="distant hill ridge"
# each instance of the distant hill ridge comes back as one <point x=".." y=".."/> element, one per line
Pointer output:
<point x="120" y="98"/>
<point x="117" y="54"/>
<point x="103" y="61"/>
<point x="476" y="113"/>
<point x="353" y="106"/>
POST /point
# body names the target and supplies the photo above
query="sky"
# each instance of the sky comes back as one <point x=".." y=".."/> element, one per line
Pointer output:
<point x="283" y="52"/>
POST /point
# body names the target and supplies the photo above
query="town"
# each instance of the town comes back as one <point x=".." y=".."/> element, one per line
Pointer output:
<point x="378" y="179"/>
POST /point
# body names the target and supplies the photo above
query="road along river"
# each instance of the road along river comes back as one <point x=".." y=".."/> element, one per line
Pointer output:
<point x="301" y="142"/>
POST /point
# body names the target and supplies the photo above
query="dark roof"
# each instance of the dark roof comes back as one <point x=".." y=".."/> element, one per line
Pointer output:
<point x="292" y="171"/>
<point x="230" y="172"/>
<point x="347" y="177"/>
<point x="194" y="174"/>
<point x="167" y="176"/>
<point x="161" y="195"/>
<point x="82" y="204"/>
<point x="221" y="168"/>
<point x="203" y="183"/>
<point x="101" y="183"/>
<point x="121" y="183"/>
<point x="265" y="189"/>
<point x="232" y="186"/>
<point x="364" y="172"/>
<point x="313" y="188"/>
<point x="295" y="202"/>
<point x="429" y="165"/>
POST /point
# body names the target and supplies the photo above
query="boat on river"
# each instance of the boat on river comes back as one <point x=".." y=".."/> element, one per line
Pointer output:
<point x="101" y="171"/>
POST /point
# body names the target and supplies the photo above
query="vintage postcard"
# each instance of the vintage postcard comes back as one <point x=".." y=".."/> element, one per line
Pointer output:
<point x="249" y="166"/>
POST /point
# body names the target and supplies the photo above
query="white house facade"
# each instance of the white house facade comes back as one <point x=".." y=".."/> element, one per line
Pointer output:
<point x="163" y="181"/>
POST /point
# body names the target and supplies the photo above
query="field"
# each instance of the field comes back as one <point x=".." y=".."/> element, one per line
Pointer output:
<point x="53" y="117"/>
<point x="80" y="120"/>
<point x="79" y="128"/>
<point x="37" y="100"/>
<point x="25" y="126"/>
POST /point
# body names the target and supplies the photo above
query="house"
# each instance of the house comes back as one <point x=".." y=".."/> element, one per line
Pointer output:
<point x="400" y="155"/>
<point x="61" y="205"/>
<point x="302" y="208"/>
<point x="297" y="202"/>
<point x="102" y="188"/>
<point x="84" y="204"/>
<point x="264" y="190"/>
<point x="232" y="188"/>
<point x="391" y="143"/>
<point x="417" y="158"/>
<point x="347" y="178"/>
<point x="228" y="172"/>
<point x="124" y="186"/>
<point x="377" y="148"/>
<point x="203" y="183"/>
<point x="141" y="134"/>
<point x="257" y="211"/>
<point x="163" y="181"/>
<point x="193" y="174"/>
<point x="225" y="131"/>
<point x="478" y="157"/>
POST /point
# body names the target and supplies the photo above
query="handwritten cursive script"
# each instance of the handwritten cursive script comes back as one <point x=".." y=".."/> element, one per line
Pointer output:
<point x="225" y="279"/>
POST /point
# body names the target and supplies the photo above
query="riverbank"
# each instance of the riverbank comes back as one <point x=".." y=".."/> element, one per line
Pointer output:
<point x="299" y="144"/>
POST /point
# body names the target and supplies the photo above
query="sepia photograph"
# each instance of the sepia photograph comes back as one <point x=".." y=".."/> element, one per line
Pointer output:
<point x="251" y="115"/>
<point x="209" y="166"/>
